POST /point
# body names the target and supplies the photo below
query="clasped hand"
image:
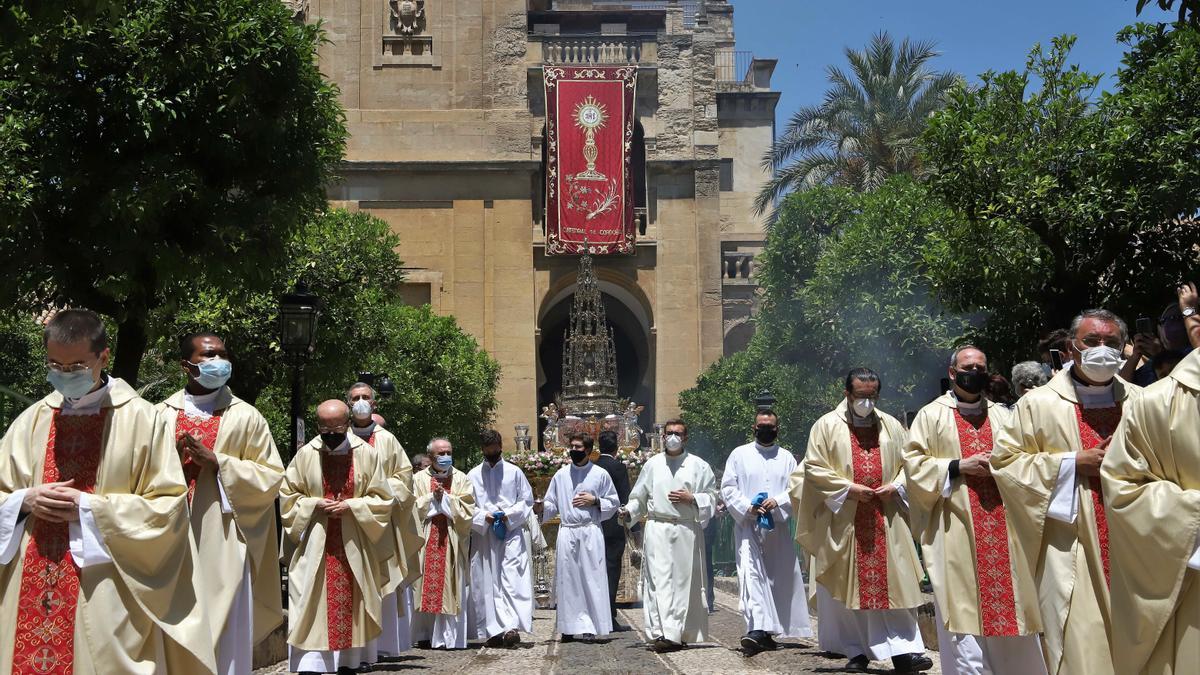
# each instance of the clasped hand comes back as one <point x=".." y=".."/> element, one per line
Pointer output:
<point x="976" y="465"/>
<point x="584" y="500"/>
<point x="190" y="446"/>
<point x="766" y="507"/>
<point x="52" y="502"/>
<point x="1087" y="462"/>
<point x="333" y="509"/>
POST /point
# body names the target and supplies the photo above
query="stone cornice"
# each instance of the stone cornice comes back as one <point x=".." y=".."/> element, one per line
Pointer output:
<point x="436" y="166"/>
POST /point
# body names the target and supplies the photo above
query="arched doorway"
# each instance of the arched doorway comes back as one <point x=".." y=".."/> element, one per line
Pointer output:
<point x="628" y="315"/>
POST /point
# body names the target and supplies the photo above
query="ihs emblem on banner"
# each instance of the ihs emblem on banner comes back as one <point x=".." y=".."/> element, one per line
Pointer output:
<point x="590" y="115"/>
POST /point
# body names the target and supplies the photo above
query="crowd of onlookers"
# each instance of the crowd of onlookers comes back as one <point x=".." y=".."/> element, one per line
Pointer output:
<point x="1155" y="346"/>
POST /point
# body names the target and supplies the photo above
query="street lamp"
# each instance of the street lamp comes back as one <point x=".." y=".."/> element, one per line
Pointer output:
<point x="764" y="401"/>
<point x="298" y="314"/>
<point x="384" y="389"/>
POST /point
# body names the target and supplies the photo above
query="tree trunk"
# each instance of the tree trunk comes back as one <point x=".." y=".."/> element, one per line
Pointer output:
<point x="131" y="345"/>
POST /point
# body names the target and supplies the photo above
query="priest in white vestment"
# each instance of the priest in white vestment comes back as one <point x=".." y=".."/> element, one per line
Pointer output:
<point x="987" y="611"/>
<point x="233" y="472"/>
<point x="677" y="493"/>
<point x="852" y="519"/>
<point x="754" y="488"/>
<point x="335" y="503"/>
<point x="500" y="548"/>
<point x="445" y="503"/>
<point x="403" y="564"/>
<point x="97" y="567"/>
<point x="582" y="495"/>
<point x="1046" y="465"/>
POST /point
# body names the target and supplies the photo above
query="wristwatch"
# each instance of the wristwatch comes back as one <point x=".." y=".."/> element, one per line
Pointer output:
<point x="1188" y="312"/>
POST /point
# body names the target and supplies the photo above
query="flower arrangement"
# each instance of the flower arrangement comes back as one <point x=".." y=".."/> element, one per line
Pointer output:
<point x="545" y="463"/>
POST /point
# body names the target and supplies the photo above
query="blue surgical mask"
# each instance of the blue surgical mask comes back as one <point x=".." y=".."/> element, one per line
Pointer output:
<point x="214" y="373"/>
<point x="444" y="462"/>
<point x="72" y="385"/>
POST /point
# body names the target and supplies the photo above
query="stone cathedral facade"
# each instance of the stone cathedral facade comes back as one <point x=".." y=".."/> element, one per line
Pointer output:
<point x="446" y="110"/>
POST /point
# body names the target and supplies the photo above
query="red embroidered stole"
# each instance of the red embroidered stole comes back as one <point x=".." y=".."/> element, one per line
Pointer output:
<point x="1095" y="425"/>
<point x="44" y="642"/>
<point x="337" y="474"/>
<point x="993" y="573"/>
<point x="436" y="550"/>
<point x="206" y="431"/>
<point x="870" y="530"/>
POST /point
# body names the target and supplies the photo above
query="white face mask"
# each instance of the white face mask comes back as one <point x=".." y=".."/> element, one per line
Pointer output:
<point x="862" y="406"/>
<point x="362" y="409"/>
<point x="1100" y="364"/>
<point x="674" y="444"/>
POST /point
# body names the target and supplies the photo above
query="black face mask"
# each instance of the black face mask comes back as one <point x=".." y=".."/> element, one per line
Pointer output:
<point x="577" y="456"/>
<point x="492" y="459"/>
<point x="333" y="440"/>
<point x="972" y="381"/>
<point x="766" y="434"/>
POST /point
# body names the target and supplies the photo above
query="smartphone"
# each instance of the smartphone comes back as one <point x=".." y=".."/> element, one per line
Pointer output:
<point x="1145" y="326"/>
<point x="1056" y="359"/>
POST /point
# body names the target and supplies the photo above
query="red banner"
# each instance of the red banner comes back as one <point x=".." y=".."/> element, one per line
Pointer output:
<point x="589" y="185"/>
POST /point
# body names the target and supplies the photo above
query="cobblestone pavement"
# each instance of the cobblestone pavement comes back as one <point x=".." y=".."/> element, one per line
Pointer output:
<point x="625" y="652"/>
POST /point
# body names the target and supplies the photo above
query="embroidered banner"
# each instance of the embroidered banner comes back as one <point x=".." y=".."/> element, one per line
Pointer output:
<point x="589" y="134"/>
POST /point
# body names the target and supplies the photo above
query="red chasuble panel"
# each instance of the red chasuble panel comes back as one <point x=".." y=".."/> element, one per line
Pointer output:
<point x="337" y="473"/>
<point x="1095" y="425"/>
<point x="589" y="184"/>
<point x="436" y="546"/>
<point x="206" y="431"/>
<point x="44" y="642"/>
<point x="993" y="571"/>
<point x="870" y="529"/>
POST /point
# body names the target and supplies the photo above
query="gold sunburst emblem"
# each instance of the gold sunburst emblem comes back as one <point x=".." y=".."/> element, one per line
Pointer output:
<point x="590" y="116"/>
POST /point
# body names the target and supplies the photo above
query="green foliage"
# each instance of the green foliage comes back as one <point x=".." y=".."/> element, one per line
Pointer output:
<point x="22" y="365"/>
<point x="153" y="142"/>
<point x="845" y="277"/>
<point x="1189" y="10"/>
<point x="867" y="127"/>
<point x="1068" y="203"/>
<point x="445" y="384"/>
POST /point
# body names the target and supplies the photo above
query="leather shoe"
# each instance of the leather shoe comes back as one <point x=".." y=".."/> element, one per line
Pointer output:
<point x="858" y="664"/>
<point x="911" y="663"/>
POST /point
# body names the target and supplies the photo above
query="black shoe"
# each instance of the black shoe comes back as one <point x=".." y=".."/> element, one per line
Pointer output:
<point x="587" y="638"/>
<point x="858" y="664"/>
<point x="768" y="643"/>
<point x="911" y="663"/>
<point x="566" y="638"/>
<point x="495" y="641"/>
<point x="423" y="644"/>
<point x="618" y="627"/>
<point x="663" y="645"/>
<point x="511" y="639"/>
<point x="750" y="646"/>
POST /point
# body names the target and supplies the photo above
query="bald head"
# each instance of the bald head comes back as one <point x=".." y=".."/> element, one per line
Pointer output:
<point x="332" y="414"/>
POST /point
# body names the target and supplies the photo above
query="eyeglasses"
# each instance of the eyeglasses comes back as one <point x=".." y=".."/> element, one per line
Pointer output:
<point x="1092" y="341"/>
<point x="69" y="368"/>
<point x="333" y="430"/>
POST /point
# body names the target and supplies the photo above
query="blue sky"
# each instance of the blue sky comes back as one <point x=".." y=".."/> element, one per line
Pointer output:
<point x="972" y="35"/>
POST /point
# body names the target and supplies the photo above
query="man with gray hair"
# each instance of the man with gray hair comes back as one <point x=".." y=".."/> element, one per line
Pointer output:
<point x="1028" y="375"/>
<point x="1046" y="464"/>
<point x="445" y="507"/>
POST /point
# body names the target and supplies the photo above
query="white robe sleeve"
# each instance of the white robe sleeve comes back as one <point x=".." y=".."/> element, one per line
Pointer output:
<point x="87" y="544"/>
<point x="12" y="526"/>
<point x="837" y="500"/>
<point x="1193" y="562"/>
<point x="609" y="501"/>
<point x="706" y="507"/>
<point x="948" y="488"/>
<point x="901" y="490"/>
<point x="639" y="497"/>
<point x="550" y="503"/>
<point x="731" y="493"/>
<point x="439" y="507"/>
<point x="519" y="512"/>
<point x="226" y="506"/>
<point x="1063" y="504"/>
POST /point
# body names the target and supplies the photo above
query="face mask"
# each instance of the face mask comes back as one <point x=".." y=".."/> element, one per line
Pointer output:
<point x="492" y="459"/>
<point x="333" y="439"/>
<point x="972" y="381"/>
<point x="766" y="434"/>
<point x="444" y="462"/>
<point x="862" y="406"/>
<point x="577" y="456"/>
<point x="674" y="444"/>
<point x="362" y="409"/>
<point x="214" y="373"/>
<point x="72" y="385"/>
<point x="1100" y="364"/>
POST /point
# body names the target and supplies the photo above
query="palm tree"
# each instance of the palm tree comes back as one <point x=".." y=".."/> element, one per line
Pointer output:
<point x="868" y="126"/>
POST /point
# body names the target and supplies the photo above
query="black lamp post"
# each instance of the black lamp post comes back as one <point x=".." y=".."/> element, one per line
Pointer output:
<point x="298" y="314"/>
<point x="385" y="388"/>
<point x="764" y="401"/>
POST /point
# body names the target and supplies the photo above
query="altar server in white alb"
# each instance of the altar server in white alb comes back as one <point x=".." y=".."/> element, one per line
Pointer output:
<point x="582" y="495"/>
<point x="502" y="601"/>
<point x="755" y="489"/>
<point x="677" y="492"/>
